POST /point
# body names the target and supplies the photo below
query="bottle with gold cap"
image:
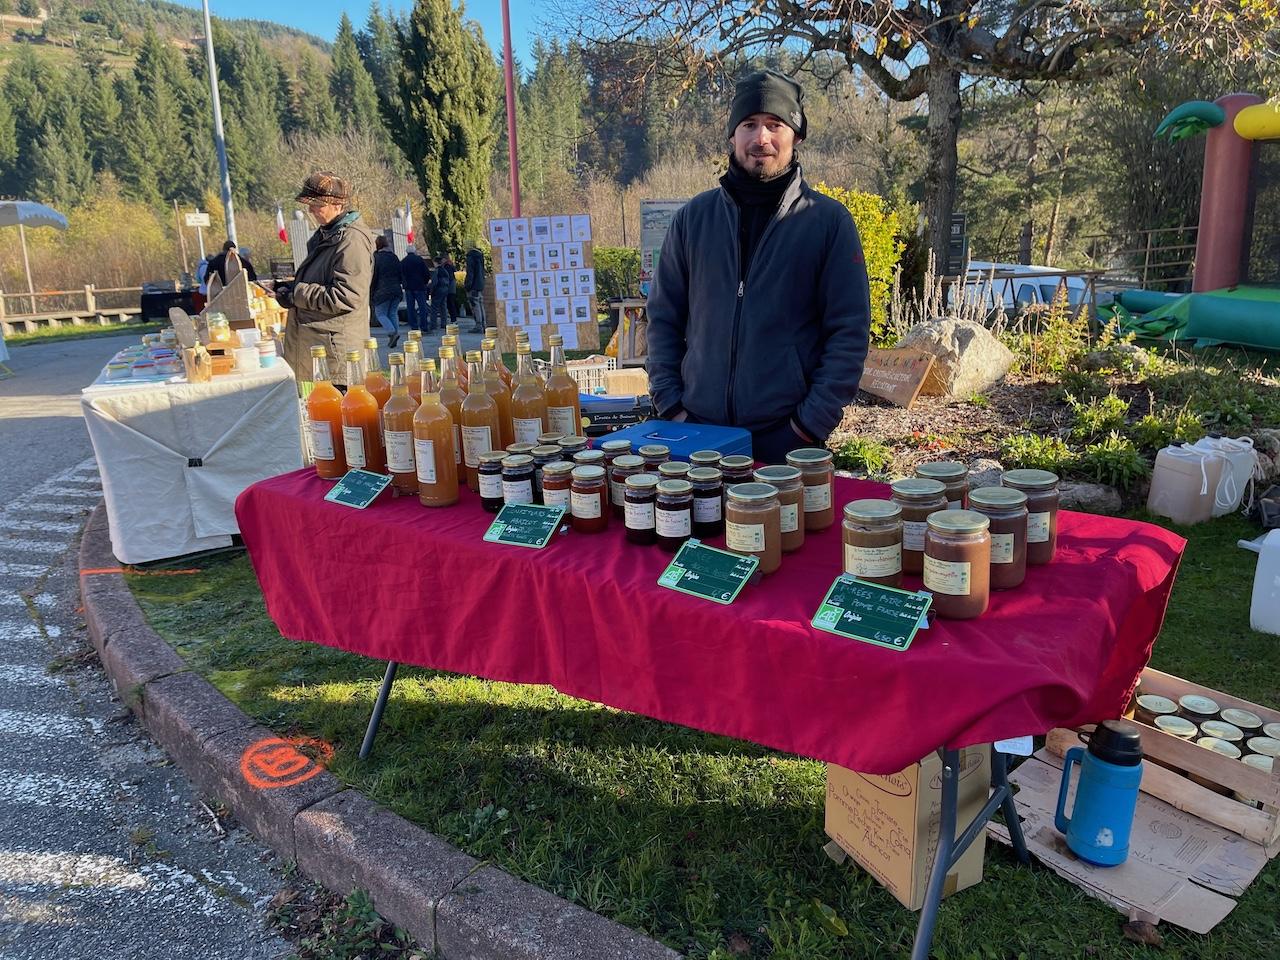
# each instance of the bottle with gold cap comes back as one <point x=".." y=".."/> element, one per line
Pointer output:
<point x="412" y="360"/>
<point x="564" y="409"/>
<point x="480" y="420"/>
<point x="361" y="428"/>
<point x="452" y="395"/>
<point x="324" y="413"/>
<point x="375" y="381"/>
<point x="498" y="390"/>
<point x="434" y="431"/>
<point x="397" y="429"/>
<point x="528" y="400"/>
<point x="491" y="333"/>
<point x="452" y="330"/>
<point x="459" y="361"/>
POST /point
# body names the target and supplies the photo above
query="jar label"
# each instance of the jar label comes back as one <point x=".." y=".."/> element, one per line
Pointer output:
<point x="706" y="509"/>
<point x="817" y="497"/>
<point x="475" y="441"/>
<point x="556" y="498"/>
<point x="639" y="516"/>
<point x="560" y="420"/>
<point x="1038" y="527"/>
<point x="947" y="576"/>
<point x="618" y="492"/>
<point x="457" y="446"/>
<point x="873" y="561"/>
<point x="913" y="534"/>
<point x="955" y="504"/>
<point x="353" y="443"/>
<point x="790" y="516"/>
<point x="674" y="523"/>
<point x="517" y="491"/>
<point x="399" y="451"/>
<point x="744" y="536"/>
<point x="425" y="451"/>
<point x="585" y="506"/>
<point x="527" y="430"/>
<point x="321" y="440"/>
<point x="1002" y="548"/>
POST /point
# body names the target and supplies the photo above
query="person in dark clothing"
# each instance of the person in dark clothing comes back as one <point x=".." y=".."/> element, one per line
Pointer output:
<point x="218" y="264"/>
<point x="442" y="290"/>
<point x="385" y="291"/>
<point x="473" y="285"/>
<point x="416" y="276"/>
<point x="759" y="312"/>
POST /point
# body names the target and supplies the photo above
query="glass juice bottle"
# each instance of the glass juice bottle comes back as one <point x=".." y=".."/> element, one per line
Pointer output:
<point x="324" y="411"/>
<point x="480" y="431"/>
<point x="491" y="333"/>
<point x="564" y="410"/>
<point x="361" y="434"/>
<point x="375" y="381"/>
<point x="500" y="392"/>
<point x="397" y="430"/>
<point x="459" y="361"/>
<point x="412" y="368"/>
<point x="452" y="395"/>
<point x="433" y="444"/>
<point x="528" y="401"/>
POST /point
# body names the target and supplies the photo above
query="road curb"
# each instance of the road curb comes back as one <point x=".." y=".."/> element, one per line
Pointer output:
<point x="461" y="908"/>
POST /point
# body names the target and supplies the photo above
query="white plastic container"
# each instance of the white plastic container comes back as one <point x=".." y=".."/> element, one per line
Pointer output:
<point x="1264" y="608"/>
<point x="1241" y="462"/>
<point x="1184" y="483"/>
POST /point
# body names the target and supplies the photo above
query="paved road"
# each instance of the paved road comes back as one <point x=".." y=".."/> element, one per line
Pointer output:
<point x="105" y="852"/>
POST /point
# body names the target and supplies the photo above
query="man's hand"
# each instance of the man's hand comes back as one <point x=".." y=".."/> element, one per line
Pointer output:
<point x="799" y="432"/>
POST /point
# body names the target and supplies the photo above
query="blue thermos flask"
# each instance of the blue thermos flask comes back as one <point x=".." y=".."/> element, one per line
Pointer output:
<point x="1106" y="795"/>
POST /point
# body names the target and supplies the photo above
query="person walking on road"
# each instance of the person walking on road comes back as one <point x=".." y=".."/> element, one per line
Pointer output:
<point x="473" y="285"/>
<point x="416" y="276"/>
<point x="386" y="290"/>
<point x="442" y="286"/>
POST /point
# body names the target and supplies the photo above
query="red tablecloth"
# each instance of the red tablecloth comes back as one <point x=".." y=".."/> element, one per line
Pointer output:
<point x="401" y="582"/>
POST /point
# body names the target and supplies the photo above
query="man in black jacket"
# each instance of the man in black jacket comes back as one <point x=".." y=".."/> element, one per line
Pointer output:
<point x="474" y="285"/>
<point x="384" y="293"/>
<point x="218" y="264"/>
<point x="759" y="312"/>
<point x="417" y="286"/>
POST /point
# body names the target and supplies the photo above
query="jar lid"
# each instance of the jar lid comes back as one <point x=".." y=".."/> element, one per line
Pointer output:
<point x="1259" y="761"/>
<point x="942" y="470"/>
<point x="493" y="456"/>
<point x="521" y="447"/>
<point x="1032" y="479"/>
<point x="516" y="461"/>
<point x="1154" y="703"/>
<point x="918" y="488"/>
<point x="1194" y="703"/>
<point x="589" y="471"/>
<point x="1219" y="746"/>
<point x="997" y="498"/>
<point x="752" y="492"/>
<point x="777" y="474"/>
<point x="628" y="461"/>
<point x="1271" y="730"/>
<point x="572" y="443"/>
<point x="115" y="365"/>
<point x="588" y="456"/>
<point x="609" y="446"/>
<point x="736" y="461"/>
<point x="872" y="510"/>
<point x="809" y="457"/>
<point x="673" y="468"/>
<point x="958" y="521"/>
<point x="546" y="450"/>
<point x="676" y="488"/>
<point x="705" y="456"/>
<point x="1245" y="719"/>
<point x="1222" y="730"/>
<point x="550" y="437"/>
<point x="559" y="467"/>
<point x="1267" y="746"/>
<point x="642" y="481"/>
<point x="1179" y="727"/>
<point x="654" y="450"/>
<point x="704" y="475"/>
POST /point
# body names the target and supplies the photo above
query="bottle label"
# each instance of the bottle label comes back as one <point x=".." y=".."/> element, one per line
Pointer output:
<point x="491" y="486"/>
<point x="706" y="509"/>
<point x="321" y="440"/>
<point x="1038" y="527"/>
<point x="475" y="441"/>
<point x="639" y="516"/>
<point x="790" y="516"/>
<point x="527" y="430"/>
<point x="873" y="561"/>
<point x="744" y="536"/>
<point x="517" y="491"/>
<point x="618" y="492"/>
<point x="674" y="523"/>
<point x="457" y="446"/>
<point x="955" y="504"/>
<point x="425" y="453"/>
<point x="1002" y="548"/>
<point x="556" y="498"/>
<point x="947" y="576"/>
<point x="817" y="497"/>
<point x="399" y="451"/>
<point x="585" y="506"/>
<point x="913" y="534"/>
<point x="561" y="420"/>
<point x="353" y="443"/>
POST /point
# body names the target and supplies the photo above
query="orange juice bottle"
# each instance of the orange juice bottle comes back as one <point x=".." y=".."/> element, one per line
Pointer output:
<point x="452" y="395"/>
<point x="499" y="391"/>
<point x="564" y="409"/>
<point x="433" y="433"/>
<point x="412" y="362"/>
<point x="324" y="411"/>
<point x="480" y="431"/>
<point x="491" y="333"/>
<point x="361" y="433"/>
<point x="529" y="400"/>
<point x="375" y="381"/>
<point x="397" y="429"/>
<point x="459" y="364"/>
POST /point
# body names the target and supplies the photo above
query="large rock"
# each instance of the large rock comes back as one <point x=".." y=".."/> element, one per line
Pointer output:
<point x="968" y="358"/>
<point x="1088" y="497"/>
<point x="984" y="472"/>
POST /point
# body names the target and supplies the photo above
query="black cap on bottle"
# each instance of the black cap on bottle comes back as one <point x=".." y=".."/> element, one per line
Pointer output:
<point x="1118" y="742"/>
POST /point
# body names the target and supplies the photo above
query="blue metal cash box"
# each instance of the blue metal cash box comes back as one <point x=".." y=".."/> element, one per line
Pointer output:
<point x="685" y="438"/>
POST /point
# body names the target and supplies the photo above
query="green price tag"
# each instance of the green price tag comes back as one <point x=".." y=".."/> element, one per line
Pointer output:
<point x="525" y="525"/>
<point x="885" y="616"/>
<point x="358" y="488"/>
<point x="706" y="572"/>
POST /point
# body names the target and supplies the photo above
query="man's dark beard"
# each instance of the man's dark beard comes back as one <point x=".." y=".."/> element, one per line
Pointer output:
<point x="759" y="173"/>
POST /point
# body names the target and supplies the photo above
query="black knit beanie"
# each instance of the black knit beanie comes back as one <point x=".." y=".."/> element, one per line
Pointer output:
<point x="768" y="91"/>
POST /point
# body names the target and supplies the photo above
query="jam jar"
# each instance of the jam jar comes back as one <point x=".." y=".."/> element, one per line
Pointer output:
<point x="557" y="477"/>
<point x="918" y="498"/>
<point x="705" y="458"/>
<point x="674" y="470"/>
<point x="653" y="455"/>
<point x="736" y="469"/>
<point x="518" y="449"/>
<point x="1006" y="508"/>
<point x="674" y="513"/>
<point x="584" y="457"/>
<point x="957" y="563"/>
<point x="640" y="498"/>
<point x="571" y="445"/>
<point x="545" y="439"/>
<point x="1041" y="488"/>
<point x="954" y="476"/>
<point x="817" y="474"/>
<point x="612" y="450"/>
<point x="708" y="502"/>
<point x="872" y="535"/>
<point x="786" y="480"/>
<point x="589" y="499"/>
<point x="517" y="479"/>
<point x="490" y="479"/>
<point x="542" y="455"/>
<point x="627" y="465"/>
<point x="752" y="526"/>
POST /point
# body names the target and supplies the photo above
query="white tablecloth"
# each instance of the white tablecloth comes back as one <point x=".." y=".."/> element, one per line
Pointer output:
<point x="174" y="456"/>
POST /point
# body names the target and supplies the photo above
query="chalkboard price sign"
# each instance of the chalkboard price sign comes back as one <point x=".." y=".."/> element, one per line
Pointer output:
<point x="706" y="572"/>
<point x="525" y="525"/>
<point x="884" y="616"/>
<point x="358" y="488"/>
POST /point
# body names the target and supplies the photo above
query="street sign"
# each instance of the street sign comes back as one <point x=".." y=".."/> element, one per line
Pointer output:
<point x="197" y="219"/>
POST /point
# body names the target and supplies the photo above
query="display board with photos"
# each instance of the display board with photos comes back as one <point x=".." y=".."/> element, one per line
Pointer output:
<point x="544" y="281"/>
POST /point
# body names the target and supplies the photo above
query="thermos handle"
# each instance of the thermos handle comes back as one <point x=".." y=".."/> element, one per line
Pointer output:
<point x="1060" y="820"/>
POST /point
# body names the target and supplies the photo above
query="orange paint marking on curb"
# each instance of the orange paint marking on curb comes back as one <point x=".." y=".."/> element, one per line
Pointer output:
<point x="275" y="762"/>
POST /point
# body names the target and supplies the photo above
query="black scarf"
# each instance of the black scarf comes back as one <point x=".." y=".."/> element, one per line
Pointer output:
<point x="757" y="200"/>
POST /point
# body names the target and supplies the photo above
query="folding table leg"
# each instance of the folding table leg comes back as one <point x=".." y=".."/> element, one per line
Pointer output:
<point x="943" y="858"/>
<point x="379" y="705"/>
<point x="1000" y="781"/>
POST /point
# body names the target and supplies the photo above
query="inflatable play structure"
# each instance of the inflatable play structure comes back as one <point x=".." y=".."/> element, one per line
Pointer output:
<point x="1235" y="294"/>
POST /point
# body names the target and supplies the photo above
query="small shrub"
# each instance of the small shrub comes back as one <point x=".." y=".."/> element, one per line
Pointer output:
<point x="877" y="225"/>
<point x="857" y="454"/>
<point x="980" y="400"/>
<point x="1036" y="452"/>
<point x="1160" y="429"/>
<point x="617" y="272"/>
<point x="1099" y="416"/>
<point x="1113" y="460"/>
<point x="1049" y="340"/>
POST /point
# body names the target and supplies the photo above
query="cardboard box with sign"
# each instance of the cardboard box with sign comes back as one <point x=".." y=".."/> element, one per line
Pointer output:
<point x="890" y="824"/>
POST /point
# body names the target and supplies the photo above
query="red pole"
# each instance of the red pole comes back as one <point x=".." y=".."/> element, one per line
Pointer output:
<point x="513" y="157"/>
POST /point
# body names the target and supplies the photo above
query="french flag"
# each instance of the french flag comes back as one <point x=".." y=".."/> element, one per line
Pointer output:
<point x="280" y="230"/>
<point x="408" y="223"/>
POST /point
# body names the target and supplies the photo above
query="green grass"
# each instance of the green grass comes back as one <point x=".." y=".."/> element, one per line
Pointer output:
<point x="86" y="332"/>
<point x="692" y="838"/>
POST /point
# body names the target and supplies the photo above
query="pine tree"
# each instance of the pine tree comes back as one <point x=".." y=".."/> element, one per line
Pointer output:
<point x="252" y="111"/>
<point x="134" y="152"/>
<point x="378" y="49"/>
<point x="446" y="92"/>
<point x="310" y="108"/>
<point x="101" y="115"/>
<point x="8" y="142"/>
<point x="354" y="96"/>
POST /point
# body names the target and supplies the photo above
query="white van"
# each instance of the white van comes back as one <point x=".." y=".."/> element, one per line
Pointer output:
<point x="1018" y="285"/>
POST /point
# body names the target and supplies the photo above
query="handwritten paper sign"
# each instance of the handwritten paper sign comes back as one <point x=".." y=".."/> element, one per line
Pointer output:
<point x="525" y="525"/>
<point x="706" y="572"/>
<point x="358" y="488"/>
<point x="895" y="375"/>
<point x="884" y="616"/>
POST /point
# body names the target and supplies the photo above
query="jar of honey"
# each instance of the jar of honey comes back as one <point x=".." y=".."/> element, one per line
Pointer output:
<point x="571" y="445"/>
<point x="818" y="474"/>
<point x="752" y="526"/>
<point x="489" y="471"/>
<point x="786" y="480"/>
<point x="957" y="563"/>
<point x="654" y="455"/>
<point x="918" y="498"/>
<point x="954" y="476"/>
<point x="517" y="479"/>
<point x="674" y="470"/>
<point x="1006" y="508"/>
<point x="639" y="508"/>
<point x="588" y="500"/>
<point x="736" y="469"/>
<point x="708" y="502"/>
<point x="674" y="513"/>
<point x="1041" y="488"/>
<point x="556" y="481"/>
<point x="872" y="535"/>
<point x="624" y="466"/>
<point x="705" y="458"/>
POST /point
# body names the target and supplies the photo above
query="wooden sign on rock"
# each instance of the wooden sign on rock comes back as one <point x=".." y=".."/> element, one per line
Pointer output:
<point x="895" y="375"/>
